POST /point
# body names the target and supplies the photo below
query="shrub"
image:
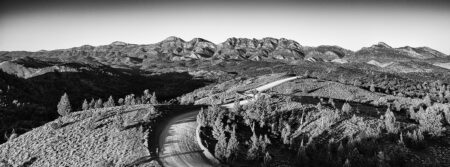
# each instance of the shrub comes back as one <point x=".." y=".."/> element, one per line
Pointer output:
<point x="105" y="163"/>
<point x="4" y="163"/>
<point x="56" y="125"/>
<point x="91" y="123"/>
<point x="12" y="136"/>
<point x="119" y="121"/>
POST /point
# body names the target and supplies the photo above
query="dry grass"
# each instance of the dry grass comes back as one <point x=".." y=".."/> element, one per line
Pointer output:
<point x="75" y="145"/>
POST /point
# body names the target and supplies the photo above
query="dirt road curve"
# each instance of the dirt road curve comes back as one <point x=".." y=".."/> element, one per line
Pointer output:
<point x="178" y="145"/>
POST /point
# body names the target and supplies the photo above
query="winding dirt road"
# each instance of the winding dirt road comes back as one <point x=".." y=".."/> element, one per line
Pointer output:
<point x="178" y="145"/>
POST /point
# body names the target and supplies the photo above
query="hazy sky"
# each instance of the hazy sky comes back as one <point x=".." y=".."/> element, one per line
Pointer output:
<point x="52" y="24"/>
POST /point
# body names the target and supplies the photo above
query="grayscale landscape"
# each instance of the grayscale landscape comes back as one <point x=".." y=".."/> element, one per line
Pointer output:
<point x="243" y="101"/>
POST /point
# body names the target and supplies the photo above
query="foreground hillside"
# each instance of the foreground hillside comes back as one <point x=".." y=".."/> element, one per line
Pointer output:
<point x="115" y="136"/>
<point x="78" y="143"/>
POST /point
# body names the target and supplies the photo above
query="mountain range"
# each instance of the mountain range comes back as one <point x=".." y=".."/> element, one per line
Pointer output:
<point x="124" y="55"/>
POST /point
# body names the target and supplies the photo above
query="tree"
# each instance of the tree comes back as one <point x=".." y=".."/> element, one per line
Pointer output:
<point x="389" y="122"/>
<point x="236" y="105"/>
<point x="264" y="142"/>
<point x="267" y="159"/>
<point x="150" y="115"/>
<point x="430" y="121"/>
<point x="412" y="113"/>
<point x="120" y="101"/>
<point x="253" y="151"/>
<point x="221" y="147"/>
<point x="301" y="155"/>
<point x="64" y="107"/>
<point x="129" y="100"/>
<point x="233" y="145"/>
<point x="372" y="87"/>
<point x="187" y="99"/>
<point x="331" y="101"/>
<point x="92" y="104"/>
<point x="85" y="105"/>
<point x="307" y="74"/>
<point x="218" y="126"/>
<point x="286" y="133"/>
<point x="427" y="100"/>
<point x="110" y="102"/>
<point x="397" y="105"/>
<point x="146" y="97"/>
<point x="357" y="83"/>
<point x="202" y="118"/>
<point x="153" y="99"/>
<point x="99" y="103"/>
<point x="347" y="163"/>
<point x="346" y="108"/>
<point x="342" y="79"/>
<point x="446" y="112"/>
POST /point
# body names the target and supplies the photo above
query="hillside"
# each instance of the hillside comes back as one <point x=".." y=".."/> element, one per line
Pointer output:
<point x="304" y="121"/>
<point x="75" y="143"/>
<point x="117" y="136"/>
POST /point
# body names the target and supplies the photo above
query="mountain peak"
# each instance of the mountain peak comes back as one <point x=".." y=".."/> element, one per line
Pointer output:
<point x="119" y="43"/>
<point x="382" y="45"/>
<point x="173" y="38"/>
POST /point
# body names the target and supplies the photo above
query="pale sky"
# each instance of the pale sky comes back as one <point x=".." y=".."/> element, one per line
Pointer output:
<point x="351" y="25"/>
